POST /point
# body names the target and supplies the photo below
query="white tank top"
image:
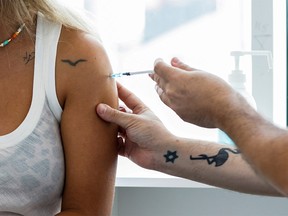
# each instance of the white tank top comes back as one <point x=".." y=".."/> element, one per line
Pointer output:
<point x="31" y="157"/>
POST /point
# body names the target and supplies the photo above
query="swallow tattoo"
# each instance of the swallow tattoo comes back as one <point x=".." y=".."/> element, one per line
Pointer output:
<point x="73" y="63"/>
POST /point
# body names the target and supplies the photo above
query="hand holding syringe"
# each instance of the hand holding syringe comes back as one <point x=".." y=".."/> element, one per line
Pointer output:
<point x="116" y="75"/>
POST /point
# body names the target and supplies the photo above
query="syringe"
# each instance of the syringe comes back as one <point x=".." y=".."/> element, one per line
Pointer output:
<point x="116" y="75"/>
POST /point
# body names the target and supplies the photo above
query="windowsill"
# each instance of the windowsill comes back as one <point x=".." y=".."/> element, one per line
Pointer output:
<point x="131" y="175"/>
<point x="172" y="182"/>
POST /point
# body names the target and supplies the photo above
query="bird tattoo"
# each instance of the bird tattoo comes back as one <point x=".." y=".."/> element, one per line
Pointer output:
<point x="73" y="63"/>
<point x="219" y="159"/>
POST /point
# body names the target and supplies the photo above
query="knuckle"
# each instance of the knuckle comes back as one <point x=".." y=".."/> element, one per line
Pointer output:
<point x="157" y="79"/>
<point x="113" y="114"/>
<point x="169" y="93"/>
<point x="157" y="66"/>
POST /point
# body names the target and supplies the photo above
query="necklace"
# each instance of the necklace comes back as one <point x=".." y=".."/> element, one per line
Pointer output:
<point x="6" y="42"/>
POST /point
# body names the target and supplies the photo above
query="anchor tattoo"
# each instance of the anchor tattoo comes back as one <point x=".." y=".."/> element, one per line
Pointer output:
<point x="219" y="159"/>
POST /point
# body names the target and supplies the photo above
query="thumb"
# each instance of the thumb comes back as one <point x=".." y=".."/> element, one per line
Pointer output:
<point x="179" y="64"/>
<point x="113" y="115"/>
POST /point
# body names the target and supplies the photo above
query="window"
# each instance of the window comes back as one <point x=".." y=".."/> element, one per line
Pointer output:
<point x="199" y="31"/>
<point x="202" y="33"/>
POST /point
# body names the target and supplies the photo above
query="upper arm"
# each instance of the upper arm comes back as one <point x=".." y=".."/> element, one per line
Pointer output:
<point x="89" y="143"/>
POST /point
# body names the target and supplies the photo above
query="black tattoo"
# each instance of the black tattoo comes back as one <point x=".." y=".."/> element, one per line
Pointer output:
<point x="73" y="63"/>
<point x="28" y="57"/>
<point x="219" y="159"/>
<point x="171" y="156"/>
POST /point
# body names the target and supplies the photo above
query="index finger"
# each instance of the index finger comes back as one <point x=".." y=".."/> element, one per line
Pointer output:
<point x="130" y="99"/>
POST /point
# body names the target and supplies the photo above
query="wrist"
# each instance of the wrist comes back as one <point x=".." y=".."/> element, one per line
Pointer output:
<point x="166" y="157"/>
<point x="233" y="111"/>
<point x="241" y="123"/>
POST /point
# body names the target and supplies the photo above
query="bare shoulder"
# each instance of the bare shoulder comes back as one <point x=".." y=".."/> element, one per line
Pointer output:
<point x="82" y="63"/>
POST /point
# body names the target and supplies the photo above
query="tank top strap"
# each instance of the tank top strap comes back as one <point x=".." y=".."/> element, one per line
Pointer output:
<point x="50" y="33"/>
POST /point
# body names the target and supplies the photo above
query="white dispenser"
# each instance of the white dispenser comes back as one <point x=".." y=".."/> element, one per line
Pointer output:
<point x="237" y="80"/>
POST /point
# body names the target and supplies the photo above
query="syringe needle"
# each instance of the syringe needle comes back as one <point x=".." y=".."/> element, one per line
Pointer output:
<point x="116" y="75"/>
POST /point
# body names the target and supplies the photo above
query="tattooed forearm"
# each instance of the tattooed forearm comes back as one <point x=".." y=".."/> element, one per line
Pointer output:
<point x="73" y="63"/>
<point x="171" y="156"/>
<point x="219" y="159"/>
<point x="28" y="57"/>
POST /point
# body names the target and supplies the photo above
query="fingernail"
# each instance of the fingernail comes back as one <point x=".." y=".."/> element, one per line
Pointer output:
<point x="176" y="60"/>
<point x="122" y="109"/>
<point x="101" y="108"/>
<point x="157" y="60"/>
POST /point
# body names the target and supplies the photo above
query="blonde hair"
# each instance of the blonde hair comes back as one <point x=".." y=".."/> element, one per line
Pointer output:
<point x="24" y="11"/>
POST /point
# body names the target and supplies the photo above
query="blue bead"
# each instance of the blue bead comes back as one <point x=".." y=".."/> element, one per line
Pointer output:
<point x="6" y="42"/>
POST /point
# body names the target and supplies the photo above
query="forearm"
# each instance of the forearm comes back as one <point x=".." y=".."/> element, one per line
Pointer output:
<point x="211" y="164"/>
<point x="264" y="145"/>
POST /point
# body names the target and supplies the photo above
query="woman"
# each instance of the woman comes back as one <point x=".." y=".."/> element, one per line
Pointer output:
<point x="53" y="73"/>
